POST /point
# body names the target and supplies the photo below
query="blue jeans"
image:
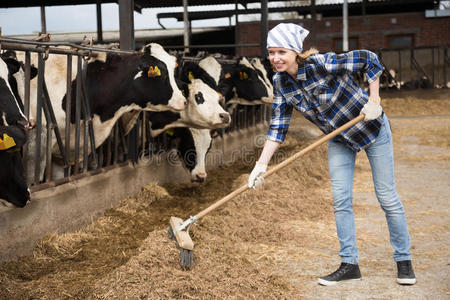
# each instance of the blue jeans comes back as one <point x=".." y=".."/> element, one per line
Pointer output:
<point x="341" y="163"/>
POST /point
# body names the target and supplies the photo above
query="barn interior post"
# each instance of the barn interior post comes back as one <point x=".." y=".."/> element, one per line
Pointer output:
<point x="43" y="21"/>
<point x="126" y="24"/>
<point x="126" y="10"/>
<point x="236" y="27"/>
<point x="99" y="22"/>
<point x="264" y="27"/>
<point x="345" y="26"/>
<point x="187" y="28"/>
<point x="313" y="21"/>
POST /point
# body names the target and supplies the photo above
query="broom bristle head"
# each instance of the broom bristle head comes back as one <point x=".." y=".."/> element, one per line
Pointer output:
<point x="186" y="258"/>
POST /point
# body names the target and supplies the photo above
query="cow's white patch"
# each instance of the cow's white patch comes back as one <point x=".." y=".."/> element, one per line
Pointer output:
<point x="20" y="79"/>
<point x="4" y="119"/>
<point x="202" y="140"/>
<point x="4" y="74"/>
<point x="138" y="74"/>
<point x="256" y="63"/>
<point x="212" y="67"/>
<point x="101" y="56"/>
<point x="103" y="129"/>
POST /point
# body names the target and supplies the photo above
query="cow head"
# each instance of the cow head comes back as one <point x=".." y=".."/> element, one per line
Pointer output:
<point x="265" y="72"/>
<point x="247" y="82"/>
<point x="10" y="108"/>
<point x="155" y="78"/>
<point x="204" y="109"/>
<point x="193" y="146"/>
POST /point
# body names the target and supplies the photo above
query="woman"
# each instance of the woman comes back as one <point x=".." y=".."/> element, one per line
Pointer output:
<point x="321" y="87"/>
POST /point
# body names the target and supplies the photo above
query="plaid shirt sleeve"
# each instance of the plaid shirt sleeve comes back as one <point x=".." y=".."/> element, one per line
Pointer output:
<point x="281" y="117"/>
<point x="357" y="60"/>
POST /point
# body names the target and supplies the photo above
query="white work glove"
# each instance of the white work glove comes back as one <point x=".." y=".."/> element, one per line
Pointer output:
<point x="372" y="110"/>
<point x="255" y="178"/>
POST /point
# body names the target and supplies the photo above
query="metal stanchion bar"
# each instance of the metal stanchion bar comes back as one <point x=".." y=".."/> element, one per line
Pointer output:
<point x="27" y="45"/>
<point x="26" y="105"/>
<point x="68" y="111"/>
<point x="40" y="87"/>
<point x="77" y="117"/>
<point x="116" y="143"/>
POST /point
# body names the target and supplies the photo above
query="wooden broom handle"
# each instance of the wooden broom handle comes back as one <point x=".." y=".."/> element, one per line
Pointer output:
<point x="283" y="164"/>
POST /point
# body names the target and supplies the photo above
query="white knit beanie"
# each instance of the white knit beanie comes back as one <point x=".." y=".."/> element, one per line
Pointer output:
<point x="288" y="36"/>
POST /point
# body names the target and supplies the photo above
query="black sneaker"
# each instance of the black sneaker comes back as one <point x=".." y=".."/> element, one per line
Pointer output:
<point x="345" y="272"/>
<point x="405" y="273"/>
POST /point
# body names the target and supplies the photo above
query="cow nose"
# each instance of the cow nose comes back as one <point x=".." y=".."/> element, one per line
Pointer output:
<point x="200" y="177"/>
<point x="24" y="123"/>
<point x="225" y="117"/>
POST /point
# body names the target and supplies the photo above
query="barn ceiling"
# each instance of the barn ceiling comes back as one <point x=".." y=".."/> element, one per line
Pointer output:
<point x="139" y="4"/>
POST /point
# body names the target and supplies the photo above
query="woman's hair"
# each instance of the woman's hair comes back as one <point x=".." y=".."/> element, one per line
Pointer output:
<point x="301" y="57"/>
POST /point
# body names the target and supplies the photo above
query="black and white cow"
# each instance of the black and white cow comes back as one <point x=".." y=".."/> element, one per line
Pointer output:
<point x="116" y="84"/>
<point x="239" y="82"/>
<point x="120" y="84"/>
<point x="203" y="112"/>
<point x="13" y="123"/>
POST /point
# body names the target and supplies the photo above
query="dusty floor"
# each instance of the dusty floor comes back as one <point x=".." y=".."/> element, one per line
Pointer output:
<point x="272" y="243"/>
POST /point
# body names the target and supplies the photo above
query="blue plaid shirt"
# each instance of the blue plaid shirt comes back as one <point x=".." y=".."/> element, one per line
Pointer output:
<point x="326" y="94"/>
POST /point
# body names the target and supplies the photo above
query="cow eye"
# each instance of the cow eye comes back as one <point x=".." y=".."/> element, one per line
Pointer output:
<point x="199" y="98"/>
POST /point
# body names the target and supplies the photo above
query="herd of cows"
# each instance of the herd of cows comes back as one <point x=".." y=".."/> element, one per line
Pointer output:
<point x="190" y="97"/>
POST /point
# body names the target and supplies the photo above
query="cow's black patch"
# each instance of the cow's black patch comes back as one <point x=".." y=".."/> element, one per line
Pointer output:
<point x="13" y="186"/>
<point x="196" y="72"/>
<point x="160" y="119"/>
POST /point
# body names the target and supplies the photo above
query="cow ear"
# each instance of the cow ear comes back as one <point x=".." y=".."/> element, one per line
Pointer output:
<point x="148" y="50"/>
<point x="13" y="65"/>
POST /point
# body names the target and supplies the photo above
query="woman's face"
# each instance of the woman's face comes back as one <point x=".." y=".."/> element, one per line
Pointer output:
<point x="283" y="60"/>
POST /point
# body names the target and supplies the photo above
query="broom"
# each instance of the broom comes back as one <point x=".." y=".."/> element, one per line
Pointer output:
<point x="179" y="229"/>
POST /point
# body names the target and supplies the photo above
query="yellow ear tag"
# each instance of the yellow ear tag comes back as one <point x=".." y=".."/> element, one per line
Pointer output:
<point x="7" y="142"/>
<point x="191" y="77"/>
<point x="153" y="72"/>
<point x="243" y="76"/>
<point x="170" y="131"/>
<point x="228" y="75"/>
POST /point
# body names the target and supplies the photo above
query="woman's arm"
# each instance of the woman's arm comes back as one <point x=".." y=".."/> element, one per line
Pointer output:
<point x="374" y="91"/>
<point x="269" y="149"/>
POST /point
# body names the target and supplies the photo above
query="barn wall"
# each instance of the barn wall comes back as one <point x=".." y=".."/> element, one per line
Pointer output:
<point x="70" y="206"/>
<point x="371" y="31"/>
